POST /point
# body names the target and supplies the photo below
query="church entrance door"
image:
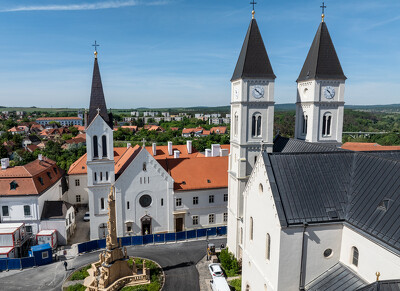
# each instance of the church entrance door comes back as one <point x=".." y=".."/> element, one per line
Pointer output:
<point x="146" y="225"/>
<point x="179" y="224"/>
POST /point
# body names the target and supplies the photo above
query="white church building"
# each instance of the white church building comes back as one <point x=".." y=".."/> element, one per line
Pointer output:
<point x="304" y="214"/>
<point x="158" y="189"/>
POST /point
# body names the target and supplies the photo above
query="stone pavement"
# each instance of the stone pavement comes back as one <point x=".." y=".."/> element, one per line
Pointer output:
<point x="204" y="274"/>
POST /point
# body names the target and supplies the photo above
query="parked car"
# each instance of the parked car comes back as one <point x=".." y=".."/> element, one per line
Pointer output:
<point x="219" y="284"/>
<point x="215" y="270"/>
<point x="86" y="217"/>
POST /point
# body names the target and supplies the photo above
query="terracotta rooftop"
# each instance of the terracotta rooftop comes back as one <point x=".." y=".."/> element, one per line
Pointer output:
<point x="30" y="179"/>
<point x="162" y="152"/>
<point x="199" y="173"/>
<point x="218" y="129"/>
<point x="122" y="157"/>
<point x="363" y="147"/>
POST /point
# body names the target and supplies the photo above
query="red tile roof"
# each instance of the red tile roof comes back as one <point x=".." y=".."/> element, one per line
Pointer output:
<point x="364" y="146"/>
<point x="218" y="129"/>
<point x="199" y="173"/>
<point x="122" y="157"/>
<point x="32" y="147"/>
<point x="31" y="179"/>
<point x="162" y="152"/>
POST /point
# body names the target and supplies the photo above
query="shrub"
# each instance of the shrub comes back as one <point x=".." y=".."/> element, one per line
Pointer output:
<point x="81" y="274"/>
<point x="76" y="287"/>
<point x="237" y="284"/>
<point x="229" y="263"/>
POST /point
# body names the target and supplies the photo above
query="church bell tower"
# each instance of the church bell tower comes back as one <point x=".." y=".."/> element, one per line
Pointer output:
<point x="100" y="156"/>
<point x="252" y="120"/>
<point x="320" y="92"/>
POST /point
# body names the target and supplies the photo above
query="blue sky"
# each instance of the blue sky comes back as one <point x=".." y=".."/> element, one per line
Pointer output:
<point x="169" y="53"/>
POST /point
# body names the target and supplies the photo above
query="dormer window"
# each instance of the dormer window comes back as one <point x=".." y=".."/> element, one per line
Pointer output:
<point x="41" y="180"/>
<point x="55" y="170"/>
<point x="13" y="185"/>
<point x="49" y="175"/>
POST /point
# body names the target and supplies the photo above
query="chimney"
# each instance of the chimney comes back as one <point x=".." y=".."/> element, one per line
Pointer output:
<point x="154" y="149"/>
<point x="40" y="157"/>
<point x="170" y="148"/>
<point x="5" y="163"/>
<point x="208" y="153"/>
<point x="189" y="146"/>
<point x="86" y="117"/>
<point x="128" y="145"/>
<point x="224" y="152"/>
<point x="215" y="150"/>
<point x="176" y="154"/>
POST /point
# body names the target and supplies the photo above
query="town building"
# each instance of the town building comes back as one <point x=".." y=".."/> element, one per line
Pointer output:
<point x="64" y="121"/>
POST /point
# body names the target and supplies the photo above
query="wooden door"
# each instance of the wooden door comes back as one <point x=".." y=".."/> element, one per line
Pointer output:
<point x="178" y="224"/>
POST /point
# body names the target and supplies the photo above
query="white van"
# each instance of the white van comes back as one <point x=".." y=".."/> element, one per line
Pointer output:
<point x="219" y="284"/>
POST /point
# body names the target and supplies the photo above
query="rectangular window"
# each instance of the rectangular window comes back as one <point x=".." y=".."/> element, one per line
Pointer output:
<point x="148" y="180"/>
<point x="178" y="202"/>
<point x="102" y="203"/>
<point x="77" y="182"/>
<point x="45" y="255"/>
<point x="140" y="180"/>
<point x="27" y="210"/>
<point x="101" y="176"/>
<point x="127" y="205"/>
<point x="211" y="218"/>
<point x="225" y="216"/>
<point x="28" y="229"/>
<point x="5" y="211"/>
<point x="128" y="228"/>
<point x="211" y="199"/>
<point x="95" y="176"/>
<point x="162" y="202"/>
<point x="195" y="219"/>
<point x="106" y="176"/>
<point x="195" y="200"/>
<point x="226" y="196"/>
<point x="78" y="198"/>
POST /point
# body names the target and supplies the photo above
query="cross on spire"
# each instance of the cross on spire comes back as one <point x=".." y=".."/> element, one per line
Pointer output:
<point x="253" y="3"/>
<point x="95" y="46"/>
<point x="323" y="11"/>
<point x="144" y="142"/>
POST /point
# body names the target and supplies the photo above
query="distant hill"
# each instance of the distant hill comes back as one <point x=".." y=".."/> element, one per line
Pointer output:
<point x="389" y="108"/>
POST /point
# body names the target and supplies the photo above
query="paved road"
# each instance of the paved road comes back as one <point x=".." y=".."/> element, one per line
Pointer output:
<point x="178" y="261"/>
<point x="82" y="231"/>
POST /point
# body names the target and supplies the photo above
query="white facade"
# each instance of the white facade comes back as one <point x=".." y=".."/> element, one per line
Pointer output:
<point x="252" y="125"/>
<point x="77" y="190"/>
<point x="28" y="209"/>
<point x="65" y="226"/>
<point x="319" y="110"/>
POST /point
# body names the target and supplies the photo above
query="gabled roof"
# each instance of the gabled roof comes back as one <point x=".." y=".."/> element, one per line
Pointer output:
<point x="253" y="60"/>
<point x="97" y="100"/>
<point x="322" y="61"/>
<point x="291" y="145"/>
<point x="359" y="188"/>
<point x="368" y="146"/>
<point x="386" y="285"/>
<point x="338" y="278"/>
<point x="55" y="209"/>
<point x="31" y="179"/>
<point x="198" y="173"/>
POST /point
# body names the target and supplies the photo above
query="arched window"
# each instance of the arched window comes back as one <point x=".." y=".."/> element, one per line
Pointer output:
<point x="253" y="126"/>
<point x="255" y="160"/>
<point x="251" y="228"/>
<point x="95" y="176"/>
<point x="102" y="203"/>
<point x="106" y="176"/>
<point x="101" y="176"/>
<point x="235" y="124"/>
<point x="95" y="147"/>
<point x="268" y="247"/>
<point x="326" y="124"/>
<point x="247" y="287"/>
<point x="144" y="167"/>
<point x="354" y="256"/>
<point x="104" y="145"/>
<point x="305" y="124"/>
<point x="259" y="125"/>
<point x="260" y="188"/>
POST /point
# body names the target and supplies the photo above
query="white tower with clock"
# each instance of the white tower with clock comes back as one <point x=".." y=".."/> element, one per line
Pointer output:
<point x="320" y="93"/>
<point x="252" y="125"/>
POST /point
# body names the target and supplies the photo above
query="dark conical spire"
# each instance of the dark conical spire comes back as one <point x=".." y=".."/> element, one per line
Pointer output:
<point x="253" y="60"/>
<point x="97" y="100"/>
<point x="322" y="61"/>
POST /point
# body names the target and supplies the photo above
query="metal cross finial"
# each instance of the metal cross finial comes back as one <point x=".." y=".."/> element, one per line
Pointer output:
<point x="323" y="7"/>
<point x="144" y="142"/>
<point x="98" y="110"/>
<point x="95" y="46"/>
<point x="253" y="3"/>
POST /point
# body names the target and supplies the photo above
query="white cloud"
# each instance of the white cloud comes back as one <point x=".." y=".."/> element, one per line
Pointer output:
<point x="84" y="6"/>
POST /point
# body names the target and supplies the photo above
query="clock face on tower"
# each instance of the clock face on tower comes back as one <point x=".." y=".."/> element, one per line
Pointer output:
<point x="258" y="91"/>
<point x="329" y="92"/>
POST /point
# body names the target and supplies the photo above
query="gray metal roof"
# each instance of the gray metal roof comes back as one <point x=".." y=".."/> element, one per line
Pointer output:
<point x="253" y="60"/>
<point x="387" y="285"/>
<point x="360" y="188"/>
<point x="337" y="278"/>
<point x="322" y="61"/>
<point x="97" y="99"/>
<point x="291" y="145"/>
